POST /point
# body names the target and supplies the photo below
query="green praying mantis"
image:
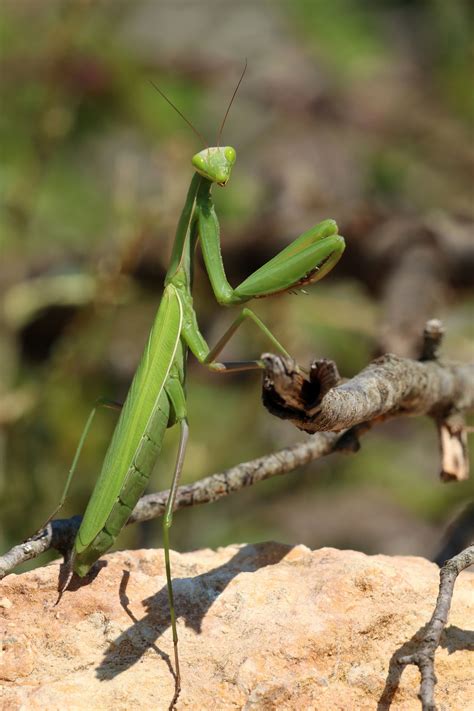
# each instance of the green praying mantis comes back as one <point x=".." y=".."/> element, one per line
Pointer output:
<point x="156" y="399"/>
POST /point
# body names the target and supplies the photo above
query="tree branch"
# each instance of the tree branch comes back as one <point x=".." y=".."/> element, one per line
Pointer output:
<point x="60" y="534"/>
<point x="423" y="658"/>
<point x="388" y="387"/>
<point x="340" y="412"/>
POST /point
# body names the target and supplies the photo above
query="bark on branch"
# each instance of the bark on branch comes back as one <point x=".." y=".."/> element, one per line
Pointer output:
<point x="389" y="387"/>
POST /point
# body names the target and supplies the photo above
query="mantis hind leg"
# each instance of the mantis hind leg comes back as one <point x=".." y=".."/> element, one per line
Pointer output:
<point x="101" y="402"/>
<point x="177" y="397"/>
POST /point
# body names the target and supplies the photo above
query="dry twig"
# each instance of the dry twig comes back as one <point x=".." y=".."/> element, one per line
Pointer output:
<point x="340" y="412"/>
<point x="389" y="387"/>
<point x="423" y="658"/>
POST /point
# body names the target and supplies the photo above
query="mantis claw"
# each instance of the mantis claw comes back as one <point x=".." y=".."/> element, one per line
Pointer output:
<point x="66" y="571"/>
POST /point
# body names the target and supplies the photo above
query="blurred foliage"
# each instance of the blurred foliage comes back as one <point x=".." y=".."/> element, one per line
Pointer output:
<point x="94" y="173"/>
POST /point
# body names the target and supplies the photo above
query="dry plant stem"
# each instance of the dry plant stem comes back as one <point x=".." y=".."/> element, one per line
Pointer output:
<point x="423" y="658"/>
<point x="216" y="486"/>
<point x="59" y="534"/>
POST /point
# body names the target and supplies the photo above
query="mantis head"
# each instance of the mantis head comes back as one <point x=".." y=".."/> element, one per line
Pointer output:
<point x="215" y="163"/>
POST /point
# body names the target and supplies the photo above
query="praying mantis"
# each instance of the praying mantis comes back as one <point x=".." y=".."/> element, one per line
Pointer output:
<point x="156" y="399"/>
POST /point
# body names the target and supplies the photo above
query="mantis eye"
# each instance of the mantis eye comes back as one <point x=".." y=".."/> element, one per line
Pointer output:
<point x="230" y="154"/>
<point x="199" y="162"/>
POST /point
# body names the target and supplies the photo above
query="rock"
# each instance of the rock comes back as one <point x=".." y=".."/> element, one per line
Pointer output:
<point x="264" y="626"/>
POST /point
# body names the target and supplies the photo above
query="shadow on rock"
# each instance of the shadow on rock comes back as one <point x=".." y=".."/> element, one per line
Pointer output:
<point x="193" y="598"/>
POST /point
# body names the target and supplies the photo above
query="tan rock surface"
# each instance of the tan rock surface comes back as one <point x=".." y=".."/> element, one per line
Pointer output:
<point x="261" y="627"/>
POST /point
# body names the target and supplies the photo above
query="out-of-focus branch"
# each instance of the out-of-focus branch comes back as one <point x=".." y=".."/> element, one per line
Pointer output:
<point x="416" y="283"/>
<point x="412" y="264"/>
<point x="414" y="289"/>
<point x="458" y="535"/>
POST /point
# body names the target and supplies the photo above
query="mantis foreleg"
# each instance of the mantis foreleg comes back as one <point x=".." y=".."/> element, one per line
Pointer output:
<point x="306" y="260"/>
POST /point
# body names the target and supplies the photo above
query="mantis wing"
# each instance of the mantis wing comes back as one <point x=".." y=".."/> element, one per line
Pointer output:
<point x="138" y="408"/>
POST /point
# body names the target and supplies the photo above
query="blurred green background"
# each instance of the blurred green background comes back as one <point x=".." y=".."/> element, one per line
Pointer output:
<point x="360" y="111"/>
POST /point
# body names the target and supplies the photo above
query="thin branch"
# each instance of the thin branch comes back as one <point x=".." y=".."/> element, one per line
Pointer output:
<point x="60" y="534"/>
<point x="423" y="658"/>
<point x="388" y="387"/>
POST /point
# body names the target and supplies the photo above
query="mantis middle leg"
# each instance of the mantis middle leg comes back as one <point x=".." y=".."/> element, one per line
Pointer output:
<point x="206" y="356"/>
<point x="100" y="402"/>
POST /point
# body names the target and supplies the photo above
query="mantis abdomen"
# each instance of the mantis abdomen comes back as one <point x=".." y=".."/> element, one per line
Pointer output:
<point x="136" y="480"/>
<point x="137" y="439"/>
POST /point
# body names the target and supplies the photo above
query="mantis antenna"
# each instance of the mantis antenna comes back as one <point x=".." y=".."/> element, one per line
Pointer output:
<point x="173" y="106"/>
<point x="219" y="135"/>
